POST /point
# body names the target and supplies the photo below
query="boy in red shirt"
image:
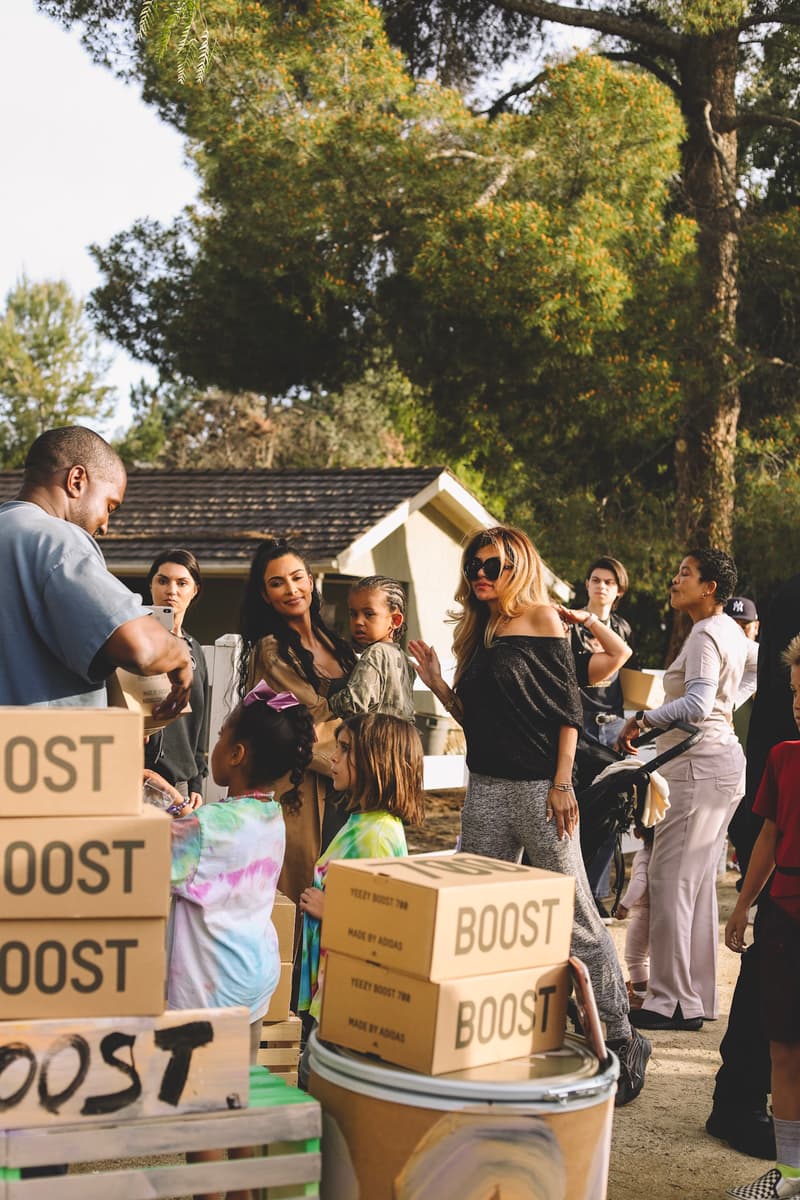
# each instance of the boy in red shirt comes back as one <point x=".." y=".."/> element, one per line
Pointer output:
<point x="778" y="849"/>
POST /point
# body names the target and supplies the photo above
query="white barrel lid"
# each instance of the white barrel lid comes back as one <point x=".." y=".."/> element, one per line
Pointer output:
<point x="556" y="1077"/>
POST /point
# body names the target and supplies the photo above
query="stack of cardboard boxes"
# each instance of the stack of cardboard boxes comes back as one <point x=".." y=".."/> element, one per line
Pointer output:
<point x="443" y="962"/>
<point x="85" y="895"/>
<point x="85" y="871"/>
<point x="281" y="1031"/>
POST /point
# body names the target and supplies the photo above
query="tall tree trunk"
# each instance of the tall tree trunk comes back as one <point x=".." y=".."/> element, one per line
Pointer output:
<point x="705" y="449"/>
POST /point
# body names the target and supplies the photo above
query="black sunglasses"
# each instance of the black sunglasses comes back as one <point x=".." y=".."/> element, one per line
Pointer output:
<point x="491" y="568"/>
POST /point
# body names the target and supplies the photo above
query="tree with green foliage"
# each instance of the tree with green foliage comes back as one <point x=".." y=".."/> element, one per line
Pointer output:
<point x="51" y="368"/>
<point x="378" y="420"/>
<point x="536" y="270"/>
<point x="733" y="66"/>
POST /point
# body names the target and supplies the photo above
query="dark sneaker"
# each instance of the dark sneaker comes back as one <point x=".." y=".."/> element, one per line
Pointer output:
<point x="633" y="1055"/>
<point x="770" y="1186"/>
<point x="750" y="1131"/>
<point x="646" y="1018"/>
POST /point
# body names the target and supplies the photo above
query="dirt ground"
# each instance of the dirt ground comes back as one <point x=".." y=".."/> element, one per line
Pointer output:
<point x="659" y="1148"/>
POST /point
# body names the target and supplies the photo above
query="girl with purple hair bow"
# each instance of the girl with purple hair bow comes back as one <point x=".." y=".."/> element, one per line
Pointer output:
<point x="226" y="858"/>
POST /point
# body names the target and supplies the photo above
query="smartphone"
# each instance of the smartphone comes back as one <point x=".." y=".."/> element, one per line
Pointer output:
<point x="162" y="613"/>
<point x="587" y="1009"/>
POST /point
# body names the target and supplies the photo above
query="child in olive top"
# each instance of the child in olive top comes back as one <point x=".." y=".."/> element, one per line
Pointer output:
<point x="383" y="678"/>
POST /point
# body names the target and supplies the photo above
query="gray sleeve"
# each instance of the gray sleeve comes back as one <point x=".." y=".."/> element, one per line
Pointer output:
<point x="82" y="605"/>
<point x="696" y="703"/>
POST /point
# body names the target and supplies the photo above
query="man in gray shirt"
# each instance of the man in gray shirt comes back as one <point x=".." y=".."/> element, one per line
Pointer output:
<point x="66" y="621"/>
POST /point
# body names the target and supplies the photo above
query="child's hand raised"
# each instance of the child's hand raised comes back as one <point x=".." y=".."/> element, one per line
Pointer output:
<point x="312" y="901"/>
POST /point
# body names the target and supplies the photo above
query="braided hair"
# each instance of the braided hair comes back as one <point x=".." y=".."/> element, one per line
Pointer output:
<point x="258" y="619"/>
<point x="393" y="593"/>
<point x="277" y="743"/>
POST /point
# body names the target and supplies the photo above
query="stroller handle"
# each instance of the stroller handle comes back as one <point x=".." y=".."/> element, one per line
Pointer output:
<point x="695" y="735"/>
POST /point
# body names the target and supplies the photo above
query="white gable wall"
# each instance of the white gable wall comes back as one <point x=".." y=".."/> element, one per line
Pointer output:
<point x="425" y="554"/>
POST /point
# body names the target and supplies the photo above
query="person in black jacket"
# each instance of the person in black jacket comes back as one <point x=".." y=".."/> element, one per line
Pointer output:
<point x="601" y="691"/>
<point x="179" y="751"/>
<point x="739" y="1115"/>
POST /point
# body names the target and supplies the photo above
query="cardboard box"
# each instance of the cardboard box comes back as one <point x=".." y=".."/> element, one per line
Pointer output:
<point x="284" y="914"/>
<point x="182" y="1061"/>
<point x="641" y="689"/>
<point x="140" y="694"/>
<point x="82" y="968"/>
<point x="57" y="762"/>
<point x="69" y="867"/>
<point x="444" y="917"/>
<point x="446" y="1026"/>
<point x="279" y="1002"/>
<point x="279" y="1048"/>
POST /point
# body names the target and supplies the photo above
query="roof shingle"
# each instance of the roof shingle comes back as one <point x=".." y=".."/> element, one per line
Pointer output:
<point x="221" y="514"/>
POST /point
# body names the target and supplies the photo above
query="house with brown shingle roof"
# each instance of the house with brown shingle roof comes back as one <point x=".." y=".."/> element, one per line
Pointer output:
<point x="406" y="522"/>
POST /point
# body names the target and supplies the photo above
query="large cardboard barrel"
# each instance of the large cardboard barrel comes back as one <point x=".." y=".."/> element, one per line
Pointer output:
<point x="535" y="1128"/>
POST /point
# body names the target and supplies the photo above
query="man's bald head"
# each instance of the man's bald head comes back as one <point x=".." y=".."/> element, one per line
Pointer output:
<point x="57" y="450"/>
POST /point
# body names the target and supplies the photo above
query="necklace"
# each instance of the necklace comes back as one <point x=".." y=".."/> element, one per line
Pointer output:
<point x="253" y="796"/>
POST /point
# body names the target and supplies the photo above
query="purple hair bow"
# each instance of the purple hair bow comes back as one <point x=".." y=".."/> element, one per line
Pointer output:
<point x="277" y="700"/>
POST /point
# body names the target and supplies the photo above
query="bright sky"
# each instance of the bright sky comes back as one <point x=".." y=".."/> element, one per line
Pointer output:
<point x="83" y="157"/>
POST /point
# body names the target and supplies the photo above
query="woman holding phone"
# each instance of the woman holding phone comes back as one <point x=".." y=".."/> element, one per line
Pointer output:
<point x="178" y="752"/>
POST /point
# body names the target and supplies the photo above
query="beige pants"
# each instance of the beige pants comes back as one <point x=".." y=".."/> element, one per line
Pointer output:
<point x="684" y="922"/>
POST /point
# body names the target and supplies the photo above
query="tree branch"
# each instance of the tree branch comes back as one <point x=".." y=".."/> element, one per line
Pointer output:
<point x="457" y="152"/>
<point x="728" y="181"/>
<point x="502" y="178"/>
<point x="633" y="29"/>
<point x="648" y="64"/>
<point x="519" y="89"/>
<point x="757" y="120"/>
<point x="752" y="22"/>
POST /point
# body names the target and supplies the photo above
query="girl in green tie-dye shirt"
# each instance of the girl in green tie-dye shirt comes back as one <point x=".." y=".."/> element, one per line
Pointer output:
<point x="378" y="765"/>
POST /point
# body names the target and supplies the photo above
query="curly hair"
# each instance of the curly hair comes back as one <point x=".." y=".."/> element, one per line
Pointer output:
<point x="258" y="619"/>
<point x="393" y="592"/>
<point x="717" y="567"/>
<point x="277" y="743"/>
<point x="525" y="588"/>
<point x="387" y="766"/>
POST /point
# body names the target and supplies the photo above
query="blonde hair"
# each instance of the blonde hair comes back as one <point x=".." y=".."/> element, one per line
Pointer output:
<point x="791" y="655"/>
<point x="387" y="766"/>
<point x="524" y="588"/>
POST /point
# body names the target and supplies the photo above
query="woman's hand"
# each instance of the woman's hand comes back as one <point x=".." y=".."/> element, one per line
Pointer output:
<point x="573" y="616"/>
<point x="180" y="805"/>
<point x="427" y="664"/>
<point x="629" y="731"/>
<point x="195" y="800"/>
<point x="312" y="902"/>
<point x="620" y="912"/>
<point x="564" y="807"/>
<point x="736" y="928"/>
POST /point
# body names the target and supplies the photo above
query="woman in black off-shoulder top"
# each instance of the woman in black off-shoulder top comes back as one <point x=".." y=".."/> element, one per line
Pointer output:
<point x="516" y="695"/>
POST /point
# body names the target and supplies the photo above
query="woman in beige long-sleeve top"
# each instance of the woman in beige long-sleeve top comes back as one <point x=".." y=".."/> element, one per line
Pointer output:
<point x="286" y="643"/>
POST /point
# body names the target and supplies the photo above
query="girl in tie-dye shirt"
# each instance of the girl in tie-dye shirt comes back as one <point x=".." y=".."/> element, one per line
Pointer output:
<point x="378" y="765"/>
<point x="226" y="858"/>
